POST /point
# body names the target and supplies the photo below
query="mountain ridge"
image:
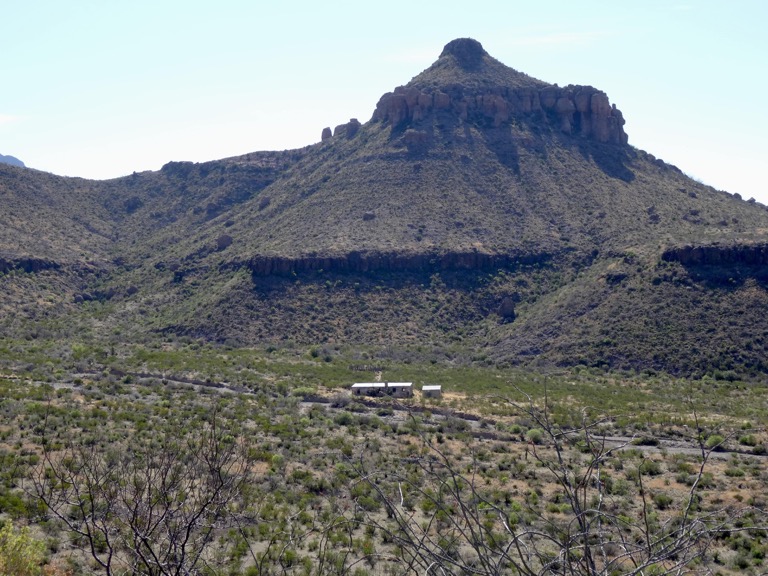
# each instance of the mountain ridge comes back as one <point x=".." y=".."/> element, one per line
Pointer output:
<point x="12" y="160"/>
<point x="478" y="209"/>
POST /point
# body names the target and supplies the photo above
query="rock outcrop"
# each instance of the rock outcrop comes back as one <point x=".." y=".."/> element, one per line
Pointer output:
<point x="577" y="110"/>
<point x="468" y="53"/>
<point x="349" y="129"/>
<point x="261" y="266"/>
<point x="712" y="255"/>
<point x="468" y="83"/>
<point x="27" y="265"/>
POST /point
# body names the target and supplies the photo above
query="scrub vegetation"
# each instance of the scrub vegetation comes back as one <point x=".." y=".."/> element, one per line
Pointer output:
<point x="182" y="458"/>
<point x="176" y="351"/>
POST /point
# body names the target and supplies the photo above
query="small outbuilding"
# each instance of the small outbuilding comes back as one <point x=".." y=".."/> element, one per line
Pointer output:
<point x="432" y="391"/>
<point x="400" y="389"/>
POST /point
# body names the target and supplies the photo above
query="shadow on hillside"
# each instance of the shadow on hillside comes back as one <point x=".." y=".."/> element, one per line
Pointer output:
<point x="613" y="160"/>
<point x="500" y="142"/>
<point x="459" y="267"/>
<point x="727" y="277"/>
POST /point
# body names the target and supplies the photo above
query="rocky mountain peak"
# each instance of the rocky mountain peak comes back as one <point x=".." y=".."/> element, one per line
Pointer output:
<point x="468" y="83"/>
<point x="467" y="52"/>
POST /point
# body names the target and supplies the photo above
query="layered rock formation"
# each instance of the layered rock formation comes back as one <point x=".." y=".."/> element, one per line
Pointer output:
<point x="391" y="262"/>
<point x="499" y="95"/>
<point x="742" y="254"/>
<point x="579" y="110"/>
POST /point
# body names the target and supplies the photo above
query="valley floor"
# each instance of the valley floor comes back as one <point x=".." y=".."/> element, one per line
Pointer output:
<point x="511" y="472"/>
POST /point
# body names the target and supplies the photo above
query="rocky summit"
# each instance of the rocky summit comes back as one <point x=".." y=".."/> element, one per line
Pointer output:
<point x="467" y="83"/>
<point x="480" y="214"/>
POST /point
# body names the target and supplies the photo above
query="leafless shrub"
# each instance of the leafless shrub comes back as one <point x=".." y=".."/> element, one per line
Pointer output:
<point x="460" y="528"/>
<point x="148" y="506"/>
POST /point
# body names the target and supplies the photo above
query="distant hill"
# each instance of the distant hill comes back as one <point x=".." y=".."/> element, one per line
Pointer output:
<point x="12" y="160"/>
<point x="480" y="214"/>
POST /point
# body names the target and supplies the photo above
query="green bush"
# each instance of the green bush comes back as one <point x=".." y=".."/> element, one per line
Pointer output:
<point x="714" y="442"/>
<point x="20" y="553"/>
<point x="344" y="419"/>
<point x="535" y="435"/>
<point x="649" y="468"/>
<point x="662" y="501"/>
<point x="748" y="440"/>
<point x="368" y="503"/>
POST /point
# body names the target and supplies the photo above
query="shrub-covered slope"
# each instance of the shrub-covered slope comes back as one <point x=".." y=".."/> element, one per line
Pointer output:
<point x="479" y="210"/>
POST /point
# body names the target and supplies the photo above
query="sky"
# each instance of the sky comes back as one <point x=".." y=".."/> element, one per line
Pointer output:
<point x="103" y="88"/>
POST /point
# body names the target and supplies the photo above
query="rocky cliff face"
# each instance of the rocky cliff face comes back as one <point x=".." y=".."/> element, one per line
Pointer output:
<point x="467" y="82"/>
<point x="578" y="110"/>
<point x="27" y="264"/>
<point x="742" y="254"/>
<point x="391" y="262"/>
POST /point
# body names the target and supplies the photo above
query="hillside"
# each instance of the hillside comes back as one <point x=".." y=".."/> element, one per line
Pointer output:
<point x="479" y="214"/>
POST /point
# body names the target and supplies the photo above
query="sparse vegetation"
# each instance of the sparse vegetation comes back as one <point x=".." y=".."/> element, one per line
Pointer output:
<point x="338" y="485"/>
<point x="176" y="345"/>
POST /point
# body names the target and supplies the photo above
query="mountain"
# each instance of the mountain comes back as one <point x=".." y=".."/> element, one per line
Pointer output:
<point x="479" y="214"/>
<point x="12" y="160"/>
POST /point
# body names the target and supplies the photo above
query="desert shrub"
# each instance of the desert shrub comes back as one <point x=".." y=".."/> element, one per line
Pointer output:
<point x="682" y="467"/>
<point x="662" y="501"/>
<point x="748" y="440"/>
<point x="714" y="442"/>
<point x="368" y="503"/>
<point x="645" y="441"/>
<point x="618" y="487"/>
<point x="344" y="419"/>
<point x="20" y="553"/>
<point x="535" y="435"/>
<point x="13" y="504"/>
<point x="649" y="468"/>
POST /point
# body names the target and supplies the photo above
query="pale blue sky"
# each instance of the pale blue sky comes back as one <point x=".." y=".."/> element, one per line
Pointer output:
<point x="103" y="88"/>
